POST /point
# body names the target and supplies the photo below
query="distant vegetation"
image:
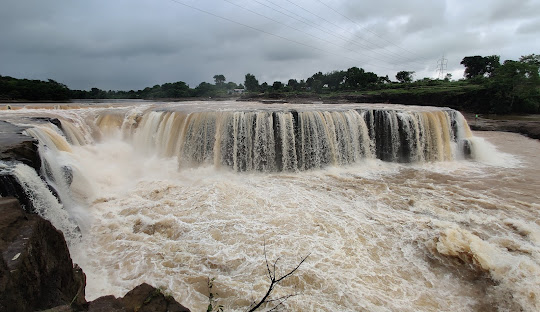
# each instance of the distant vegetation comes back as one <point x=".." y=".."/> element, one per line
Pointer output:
<point x="32" y="90"/>
<point x="488" y="87"/>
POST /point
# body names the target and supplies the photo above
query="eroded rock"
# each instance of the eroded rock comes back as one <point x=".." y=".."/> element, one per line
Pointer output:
<point x="15" y="146"/>
<point x="143" y="298"/>
<point x="36" y="270"/>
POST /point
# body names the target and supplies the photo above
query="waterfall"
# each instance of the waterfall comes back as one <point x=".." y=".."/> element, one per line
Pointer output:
<point x="61" y="172"/>
<point x="265" y="140"/>
<point x="43" y="200"/>
<point x="294" y="140"/>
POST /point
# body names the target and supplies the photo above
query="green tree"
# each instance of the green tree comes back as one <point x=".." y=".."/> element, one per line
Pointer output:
<point x="317" y="86"/>
<point x="353" y="77"/>
<point x="383" y="80"/>
<point x="515" y="87"/>
<point x="480" y="66"/>
<point x="231" y="86"/>
<point x="277" y="85"/>
<point x="293" y="84"/>
<point x="251" y="83"/>
<point x="205" y="89"/>
<point x="175" y="90"/>
<point x="334" y="79"/>
<point x="531" y="59"/>
<point x="404" y="76"/>
<point x="219" y="80"/>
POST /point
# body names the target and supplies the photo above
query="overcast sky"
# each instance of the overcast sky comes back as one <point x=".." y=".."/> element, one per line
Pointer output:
<point x="132" y="44"/>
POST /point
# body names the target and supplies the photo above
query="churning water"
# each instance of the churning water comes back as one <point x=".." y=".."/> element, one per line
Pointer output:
<point x="399" y="208"/>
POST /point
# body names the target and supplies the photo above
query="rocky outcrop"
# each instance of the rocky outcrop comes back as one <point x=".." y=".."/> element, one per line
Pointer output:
<point x="143" y="298"/>
<point x="36" y="270"/>
<point x="15" y="146"/>
<point x="530" y="128"/>
<point x="37" y="273"/>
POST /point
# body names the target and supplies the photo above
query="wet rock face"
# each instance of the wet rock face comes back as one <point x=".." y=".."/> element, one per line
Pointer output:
<point x="530" y="128"/>
<point x="15" y="146"/>
<point x="36" y="270"/>
<point x="143" y="298"/>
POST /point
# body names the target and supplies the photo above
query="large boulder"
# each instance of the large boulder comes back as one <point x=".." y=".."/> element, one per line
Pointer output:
<point x="143" y="298"/>
<point x="36" y="270"/>
<point x="15" y="146"/>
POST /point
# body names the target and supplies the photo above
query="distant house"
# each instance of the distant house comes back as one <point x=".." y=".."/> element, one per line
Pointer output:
<point x="236" y="91"/>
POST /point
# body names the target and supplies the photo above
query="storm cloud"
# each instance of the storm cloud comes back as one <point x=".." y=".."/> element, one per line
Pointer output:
<point x="132" y="44"/>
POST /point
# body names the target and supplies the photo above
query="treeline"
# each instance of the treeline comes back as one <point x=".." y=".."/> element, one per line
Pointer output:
<point x="513" y="86"/>
<point x="165" y="91"/>
<point x="32" y="90"/>
<point x="352" y="79"/>
<point x="489" y="86"/>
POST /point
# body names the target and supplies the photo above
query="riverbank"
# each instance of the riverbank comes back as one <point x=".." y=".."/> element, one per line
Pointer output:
<point x="528" y="125"/>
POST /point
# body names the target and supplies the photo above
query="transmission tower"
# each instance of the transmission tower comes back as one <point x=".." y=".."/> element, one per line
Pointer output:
<point x="442" y="66"/>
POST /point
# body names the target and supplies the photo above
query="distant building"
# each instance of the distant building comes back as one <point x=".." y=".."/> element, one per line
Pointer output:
<point x="236" y="91"/>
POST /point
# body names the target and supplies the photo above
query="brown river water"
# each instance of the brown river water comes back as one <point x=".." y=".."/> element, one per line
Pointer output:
<point x="447" y="235"/>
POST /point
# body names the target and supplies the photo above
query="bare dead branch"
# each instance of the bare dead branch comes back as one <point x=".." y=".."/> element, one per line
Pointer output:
<point x="273" y="282"/>
<point x="293" y="270"/>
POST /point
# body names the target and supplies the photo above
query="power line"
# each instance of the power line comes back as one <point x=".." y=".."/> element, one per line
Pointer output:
<point x="328" y="32"/>
<point x="306" y="33"/>
<point x="266" y="32"/>
<point x="344" y="29"/>
<point x="367" y="29"/>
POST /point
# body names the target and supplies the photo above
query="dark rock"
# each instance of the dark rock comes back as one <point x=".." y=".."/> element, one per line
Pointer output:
<point x="10" y="186"/>
<point x="64" y="308"/>
<point x="36" y="270"/>
<point x="15" y="146"/>
<point x="530" y="128"/>
<point x="147" y="298"/>
<point x="54" y="121"/>
<point x="143" y="298"/>
<point x="106" y="304"/>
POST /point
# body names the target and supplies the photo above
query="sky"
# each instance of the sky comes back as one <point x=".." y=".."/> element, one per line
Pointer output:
<point x="133" y="44"/>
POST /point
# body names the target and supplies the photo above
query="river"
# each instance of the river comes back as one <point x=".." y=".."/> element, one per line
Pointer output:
<point x="450" y="235"/>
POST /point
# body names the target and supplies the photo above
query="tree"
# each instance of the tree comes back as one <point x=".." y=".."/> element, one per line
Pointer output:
<point x="251" y="83"/>
<point x="404" y="76"/>
<point x="352" y="77"/>
<point x="531" y="59"/>
<point x="231" y="86"/>
<point x="383" y="80"/>
<point x="277" y="85"/>
<point x="219" y="80"/>
<point x="293" y="84"/>
<point x="515" y="87"/>
<point x="480" y="66"/>
<point x="205" y="89"/>
<point x="317" y="86"/>
<point x="334" y="79"/>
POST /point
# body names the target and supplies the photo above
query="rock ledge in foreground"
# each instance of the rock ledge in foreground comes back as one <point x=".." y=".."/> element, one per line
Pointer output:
<point x="36" y="270"/>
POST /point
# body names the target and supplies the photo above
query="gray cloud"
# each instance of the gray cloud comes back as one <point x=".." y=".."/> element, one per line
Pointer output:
<point x="131" y="44"/>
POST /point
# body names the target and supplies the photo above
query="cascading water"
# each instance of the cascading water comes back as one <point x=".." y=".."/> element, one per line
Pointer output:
<point x="301" y="140"/>
<point x="383" y="198"/>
